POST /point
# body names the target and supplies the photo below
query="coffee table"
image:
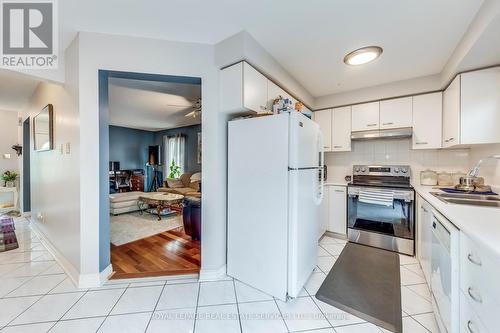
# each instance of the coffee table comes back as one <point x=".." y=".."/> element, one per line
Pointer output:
<point x="162" y="201"/>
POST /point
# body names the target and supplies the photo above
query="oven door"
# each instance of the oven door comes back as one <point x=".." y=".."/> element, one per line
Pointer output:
<point x="390" y="225"/>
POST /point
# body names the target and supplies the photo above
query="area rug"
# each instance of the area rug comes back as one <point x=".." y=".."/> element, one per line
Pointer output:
<point x="365" y="282"/>
<point x="8" y="239"/>
<point x="126" y="228"/>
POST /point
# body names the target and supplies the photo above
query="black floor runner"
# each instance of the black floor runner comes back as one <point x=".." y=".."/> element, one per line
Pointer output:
<point x="365" y="282"/>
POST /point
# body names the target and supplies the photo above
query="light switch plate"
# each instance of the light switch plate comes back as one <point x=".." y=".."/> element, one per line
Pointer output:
<point x="68" y="147"/>
<point x="6" y="156"/>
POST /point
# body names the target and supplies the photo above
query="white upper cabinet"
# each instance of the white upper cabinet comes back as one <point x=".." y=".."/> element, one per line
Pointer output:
<point x="427" y="121"/>
<point x="324" y="119"/>
<point x="480" y="107"/>
<point x="341" y="129"/>
<point x="243" y="89"/>
<point x="396" y="113"/>
<point x="254" y="89"/>
<point x="365" y="116"/>
<point x="451" y="114"/>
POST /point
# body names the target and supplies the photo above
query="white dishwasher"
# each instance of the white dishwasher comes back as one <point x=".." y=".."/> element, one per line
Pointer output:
<point x="445" y="274"/>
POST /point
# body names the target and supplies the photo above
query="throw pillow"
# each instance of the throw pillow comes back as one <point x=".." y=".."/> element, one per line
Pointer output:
<point x="174" y="183"/>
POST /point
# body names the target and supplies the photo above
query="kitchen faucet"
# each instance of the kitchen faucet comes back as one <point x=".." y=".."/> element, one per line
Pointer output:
<point x="474" y="172"/>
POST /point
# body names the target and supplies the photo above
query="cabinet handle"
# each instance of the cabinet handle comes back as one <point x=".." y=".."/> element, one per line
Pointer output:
<point x="328" y="147"/>
<point x="341" y="191"/>
<point x="425" y="210"/>
<point x="337" y="146"/>
<point x="421" y="143"/>
<point x="469" y="327"/>
<point x="388" y="124"/>
<point x="371" y="125"/>
<point x="475" y="262"/>
<point x="477" y="298"/>
<point x="262" y="107"/>
<point x="450" y="139"/>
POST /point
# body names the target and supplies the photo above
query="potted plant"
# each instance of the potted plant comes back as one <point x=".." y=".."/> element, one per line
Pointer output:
<point x="9" y="177"/>
<point x="175" y="170"/>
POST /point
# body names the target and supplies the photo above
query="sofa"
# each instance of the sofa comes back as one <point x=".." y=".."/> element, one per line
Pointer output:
<point x="183" y="185"/>
<point x="125" y="202"/>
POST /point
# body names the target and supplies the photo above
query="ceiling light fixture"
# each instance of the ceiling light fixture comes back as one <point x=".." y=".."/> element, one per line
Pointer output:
<point x="363" y="55"/>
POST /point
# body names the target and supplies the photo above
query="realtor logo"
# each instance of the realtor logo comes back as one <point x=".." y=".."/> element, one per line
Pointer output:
<point x="28" y="34"/>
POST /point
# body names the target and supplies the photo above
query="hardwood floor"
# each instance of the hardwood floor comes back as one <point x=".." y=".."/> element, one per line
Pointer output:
<point x="169" y="253"/>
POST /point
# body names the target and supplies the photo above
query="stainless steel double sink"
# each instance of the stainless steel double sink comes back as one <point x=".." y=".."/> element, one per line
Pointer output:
<point x="469" y="199"/>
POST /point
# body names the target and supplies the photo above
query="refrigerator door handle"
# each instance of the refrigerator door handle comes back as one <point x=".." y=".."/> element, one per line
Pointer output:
<point x="321" y="188"/>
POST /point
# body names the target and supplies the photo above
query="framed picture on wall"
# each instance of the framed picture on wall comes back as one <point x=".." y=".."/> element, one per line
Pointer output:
<point x="43" y="129"/>
<point x="199" y="147"/>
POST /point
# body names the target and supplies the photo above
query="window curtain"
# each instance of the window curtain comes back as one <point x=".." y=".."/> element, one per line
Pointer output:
<point x="174" y="150"/>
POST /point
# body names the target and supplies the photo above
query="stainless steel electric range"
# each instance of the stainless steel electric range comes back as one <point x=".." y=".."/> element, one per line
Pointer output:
<point x="381" y="208"/>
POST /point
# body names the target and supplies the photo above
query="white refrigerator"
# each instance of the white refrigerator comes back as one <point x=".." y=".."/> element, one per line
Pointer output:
<point x="275" y="188"/>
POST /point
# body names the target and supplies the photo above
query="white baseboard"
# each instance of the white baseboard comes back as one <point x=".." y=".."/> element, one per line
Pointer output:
<point x="68" y="268"/>
<point x="79" y="280"/>
<point x="213" y="274"/>
<point x="26" y="214"/>
<point x="94" y="280"/>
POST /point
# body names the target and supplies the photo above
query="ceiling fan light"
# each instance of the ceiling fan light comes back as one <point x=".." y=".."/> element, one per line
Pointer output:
<point x="363" y="55"/>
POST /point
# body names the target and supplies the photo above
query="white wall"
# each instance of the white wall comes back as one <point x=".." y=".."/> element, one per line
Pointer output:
<point x="55" y="185"/>
<point x="8" y="138"/>
<point x="119" y="53"/>
<point x="393" y="89"/>
<point x="395" y="152"/>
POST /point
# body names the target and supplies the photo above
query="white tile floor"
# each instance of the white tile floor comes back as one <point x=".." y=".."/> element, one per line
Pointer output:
<point x="36" y="296"/>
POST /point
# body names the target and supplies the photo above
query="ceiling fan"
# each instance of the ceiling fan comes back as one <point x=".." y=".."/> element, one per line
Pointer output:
<point x="195" y="108"/>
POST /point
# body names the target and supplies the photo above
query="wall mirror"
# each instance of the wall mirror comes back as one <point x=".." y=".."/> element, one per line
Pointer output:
<point x="43" y="131"/>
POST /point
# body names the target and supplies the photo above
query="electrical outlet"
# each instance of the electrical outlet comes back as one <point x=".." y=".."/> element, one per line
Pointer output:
<point x="6" y="156"/>
<point x="40" y="217"/>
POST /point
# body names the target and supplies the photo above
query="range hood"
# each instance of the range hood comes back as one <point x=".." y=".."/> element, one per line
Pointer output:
<point x="396" y="133"/>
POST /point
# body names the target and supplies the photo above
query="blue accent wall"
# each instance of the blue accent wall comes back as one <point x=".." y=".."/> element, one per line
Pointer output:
<point x="191" y="134"/>
<point x="130" y="147"/>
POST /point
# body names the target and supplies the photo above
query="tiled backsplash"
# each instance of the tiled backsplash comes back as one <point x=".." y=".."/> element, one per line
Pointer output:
<point x="396" y="152"/>
<point x="490" y="169"/>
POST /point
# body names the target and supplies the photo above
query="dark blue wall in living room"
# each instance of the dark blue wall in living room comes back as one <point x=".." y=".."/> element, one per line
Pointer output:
<point x="191" y="149"/>
<point x="129" y="146"/>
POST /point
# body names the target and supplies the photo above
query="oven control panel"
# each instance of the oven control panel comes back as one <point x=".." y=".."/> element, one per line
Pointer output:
<point x="381" y="170"/>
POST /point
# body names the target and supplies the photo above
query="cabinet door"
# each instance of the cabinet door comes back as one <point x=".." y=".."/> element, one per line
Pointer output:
<point x="451" y="114"/>
<point x="338" y="210"/>
<point x="480" y="107"/>
<point x="324" y="213"/>
<point x="341" y="129"/>
<point x="324" y="119"/>
<point x="427" y="121"/>
<point x="365" y="116"/>
<point x="231" y="88"/>
<point x="254" y="89"/>
<point x="396" y="113"/>
<point x="424" y="237"/>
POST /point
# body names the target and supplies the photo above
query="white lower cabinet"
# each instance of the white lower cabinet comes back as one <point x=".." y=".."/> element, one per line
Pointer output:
<point x="333" y="210"/>
<point x="479" y="271"/>
<point x="424" y="236"/>
<point x="324" y="212"/>
<point x="337" y="210"/>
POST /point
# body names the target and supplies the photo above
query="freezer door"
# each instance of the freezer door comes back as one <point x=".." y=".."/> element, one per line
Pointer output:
<point x="303" y="227"/>
<point x="258" y="203"/>
<point x="305" y="142"/>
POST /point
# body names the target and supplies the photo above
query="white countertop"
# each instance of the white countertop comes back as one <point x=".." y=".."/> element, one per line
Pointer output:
<point x="482" y="224"/>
